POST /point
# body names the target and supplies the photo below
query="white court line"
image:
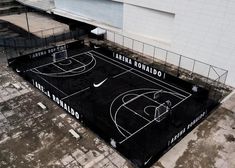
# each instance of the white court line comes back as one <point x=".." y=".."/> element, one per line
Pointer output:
<point x="136" y="131"/>
<point x="51" y="84"/>
<point x="80" y="91"/>
<point x="136" y="113"/>
<point x="74" y="73"/>
<point x="58" y="67"/>
<point x="124" y="130"/>
<point x="77" y="61"/>
<point x="140" y="129"/>
<point x="180" y="101"/>
<point x="65" y="64"/>
<point x="56" y="61"/>
<point x="176" y="95"/>
<point x="114" y="116"/>
<point x="122" y="73"/>
<point x="116" y="111"/>
<point x="144" y="73"/>
<point x="149" y="81"/>
<point x="151" y="99"/>
<point x="142" y="76"/>
<point x="147" y="107"/>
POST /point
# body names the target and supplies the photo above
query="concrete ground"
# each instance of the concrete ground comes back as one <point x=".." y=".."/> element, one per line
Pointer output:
<point x="211" y="144"/>
<point x="37" y="24"/>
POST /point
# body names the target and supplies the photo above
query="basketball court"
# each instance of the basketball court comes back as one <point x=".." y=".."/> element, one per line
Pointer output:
<point x="137" y="113"/>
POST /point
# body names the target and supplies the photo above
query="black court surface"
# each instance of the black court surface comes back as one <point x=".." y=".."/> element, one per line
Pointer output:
<point x="140" y="111"/>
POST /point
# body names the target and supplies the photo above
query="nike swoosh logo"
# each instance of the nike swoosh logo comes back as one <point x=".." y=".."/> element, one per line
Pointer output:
<point x="99" y="84"/>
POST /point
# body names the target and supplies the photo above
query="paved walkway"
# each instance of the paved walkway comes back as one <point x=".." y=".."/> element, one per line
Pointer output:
<point x="37" y="23"/>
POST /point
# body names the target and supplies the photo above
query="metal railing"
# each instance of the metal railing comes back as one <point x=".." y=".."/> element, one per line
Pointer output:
<point x="207" y="74"/>
<point x="17" y="46"/>
<point x="51" y="32"/>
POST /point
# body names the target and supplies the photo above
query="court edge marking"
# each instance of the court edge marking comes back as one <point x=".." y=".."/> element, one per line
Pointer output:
<point x="80" y="91"/>
<point x="129" y="101"/>
<point x="51" y="84"/>
<point x="110" y="108"/>
<point x="69" y="71"/>
<point x="114" y="118"/>
<point x="59" y="67"/>
<point x="122" y="73"/>
<point x="65" y="64"/>
<point x="57" y="61"/>
<point x="144" y="77"/>
<point x="78" y="61"/>
<point x="144" y="74"/>
<point x="142" y="128"/>
<point x="135" y="113"/>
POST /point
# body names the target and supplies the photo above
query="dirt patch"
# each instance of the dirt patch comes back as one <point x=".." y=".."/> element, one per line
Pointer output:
<point x="229" y="138"/>
<point x="199" y="154"/>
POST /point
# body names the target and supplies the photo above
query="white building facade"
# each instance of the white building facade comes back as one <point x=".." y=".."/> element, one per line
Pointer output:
<point x="199" y="29"/>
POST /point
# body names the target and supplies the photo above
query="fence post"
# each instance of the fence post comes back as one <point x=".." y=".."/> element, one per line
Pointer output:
<point x="193" y="68"/>
<point x="143" y="50"/>
<point x="132" y="45"/>
<point x="54" y="35"/>
<point x="165" y="61"/>
<point x="41" y="34"/>
<point x="154" y="50"/>
<point x="123" y="41"/>
<point x="178" y="73"/>
<point x="208" y="74"/>
<point x="64" y="35"/>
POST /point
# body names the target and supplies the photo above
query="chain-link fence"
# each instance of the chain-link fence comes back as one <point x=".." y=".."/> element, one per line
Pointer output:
<point x="52" y="31"/>
<point x="43" y="39"/>
<point x="201" y="73"/>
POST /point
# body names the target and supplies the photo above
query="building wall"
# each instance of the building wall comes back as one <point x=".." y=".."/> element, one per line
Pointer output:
<point x="203" y="30"/>
<point x="145" y="21"/>
<point x="104" y="11"/>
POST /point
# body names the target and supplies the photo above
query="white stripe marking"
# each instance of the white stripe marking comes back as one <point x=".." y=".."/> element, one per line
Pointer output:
<point x="141" y="75"/>
<point x="123" y="73"/>
<point x="58" y="67"/>
<point x="50" y="84"/>
<point x="80" y="91"/>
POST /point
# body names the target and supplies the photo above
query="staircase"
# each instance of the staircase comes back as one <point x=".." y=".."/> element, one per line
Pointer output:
<point x="8" y="7"/>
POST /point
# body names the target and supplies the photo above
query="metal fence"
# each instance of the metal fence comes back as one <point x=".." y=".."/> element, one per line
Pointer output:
<point x="209" y="75"/>
<point x="42" y="39"/>
<point x="52" y="31"/>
